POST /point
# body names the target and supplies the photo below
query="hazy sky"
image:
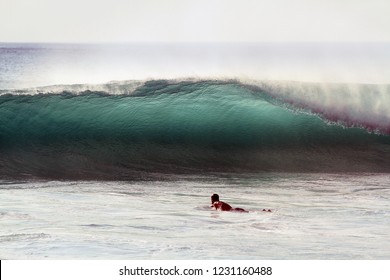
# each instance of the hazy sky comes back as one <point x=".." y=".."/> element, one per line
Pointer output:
<point x="197" y="20"/>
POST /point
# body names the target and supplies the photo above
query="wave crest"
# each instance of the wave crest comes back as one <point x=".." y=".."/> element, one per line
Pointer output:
<point x="129" y="129"/>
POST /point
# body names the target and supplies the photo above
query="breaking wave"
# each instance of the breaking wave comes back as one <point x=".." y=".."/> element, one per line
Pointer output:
<point x="133" y="129"/>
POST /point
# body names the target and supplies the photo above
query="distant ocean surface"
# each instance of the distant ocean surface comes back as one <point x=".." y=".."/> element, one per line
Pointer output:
<point x="113" y="151"/>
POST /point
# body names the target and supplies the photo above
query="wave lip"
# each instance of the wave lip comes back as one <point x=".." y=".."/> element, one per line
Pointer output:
<point x="351" y="105"/>
<point x="127" y="130"/>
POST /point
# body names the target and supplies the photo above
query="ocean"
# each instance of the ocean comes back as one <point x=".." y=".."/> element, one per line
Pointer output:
<point x="113" y="151"/>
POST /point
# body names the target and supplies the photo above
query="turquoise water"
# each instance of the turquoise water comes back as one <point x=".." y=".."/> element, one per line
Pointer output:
<point x="175" y="127"/>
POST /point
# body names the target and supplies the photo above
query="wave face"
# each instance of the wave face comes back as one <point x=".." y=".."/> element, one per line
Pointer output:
<point x="132" y="130"/>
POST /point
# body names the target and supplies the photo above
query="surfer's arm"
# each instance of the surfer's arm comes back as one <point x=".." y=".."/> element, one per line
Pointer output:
<point x="216" y="205"/>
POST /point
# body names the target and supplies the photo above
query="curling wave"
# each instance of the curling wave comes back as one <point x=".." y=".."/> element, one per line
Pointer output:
<point x="129" y="130"/>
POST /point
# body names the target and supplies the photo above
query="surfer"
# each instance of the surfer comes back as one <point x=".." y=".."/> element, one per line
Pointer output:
<point x="223" y="206"/>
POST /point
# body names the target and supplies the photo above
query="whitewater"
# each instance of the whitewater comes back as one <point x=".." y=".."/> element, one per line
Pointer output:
<point x="113" y="151"/>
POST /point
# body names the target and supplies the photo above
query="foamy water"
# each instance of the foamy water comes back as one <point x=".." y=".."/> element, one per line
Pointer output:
<point x="315" y="216"/>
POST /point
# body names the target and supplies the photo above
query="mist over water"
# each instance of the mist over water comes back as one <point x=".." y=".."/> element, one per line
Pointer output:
<point x="31" y="65"/>
<point x="362" y="105"/>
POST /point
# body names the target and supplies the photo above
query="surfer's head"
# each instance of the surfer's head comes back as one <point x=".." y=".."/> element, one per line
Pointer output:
<point x="214" y="198"/>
